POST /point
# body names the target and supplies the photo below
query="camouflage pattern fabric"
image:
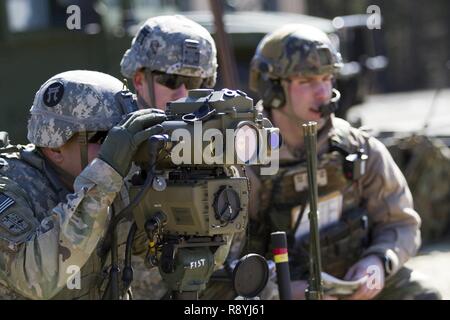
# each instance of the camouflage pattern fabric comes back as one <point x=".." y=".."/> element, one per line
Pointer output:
<point x="71" y="102"/>
<point x="40" y="239"/>
<point x="425" y="162"/>
<point x="174" y="45"/>
<point x="147" y="283"/>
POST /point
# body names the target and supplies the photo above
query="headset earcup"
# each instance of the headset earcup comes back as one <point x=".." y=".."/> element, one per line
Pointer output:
<point x="273" y="94"/>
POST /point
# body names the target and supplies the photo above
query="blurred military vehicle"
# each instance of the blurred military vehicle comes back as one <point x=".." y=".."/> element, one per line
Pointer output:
<point x="36" y="42"/>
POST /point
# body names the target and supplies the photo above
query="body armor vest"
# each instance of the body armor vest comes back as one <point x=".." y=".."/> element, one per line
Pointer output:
<point x="284" y="206"/>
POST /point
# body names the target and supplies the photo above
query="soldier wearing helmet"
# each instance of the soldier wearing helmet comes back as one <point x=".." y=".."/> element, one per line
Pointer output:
<point x="55" y="193"/>
<point x="367" y="221"/>
<point x="168" y="56"/>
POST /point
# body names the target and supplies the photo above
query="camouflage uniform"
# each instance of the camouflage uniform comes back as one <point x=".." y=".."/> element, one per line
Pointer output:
<point x="172" y="45"/>
<point x="46" y="229"/>
<point x="370" y="209"/>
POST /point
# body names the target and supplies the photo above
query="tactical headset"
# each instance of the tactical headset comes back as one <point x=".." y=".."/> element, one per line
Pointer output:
<point x="273" y="95"/>
<point x="287" y="51"/>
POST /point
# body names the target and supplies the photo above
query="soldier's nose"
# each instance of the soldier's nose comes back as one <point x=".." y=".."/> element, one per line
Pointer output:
<point x="322" y="91"/>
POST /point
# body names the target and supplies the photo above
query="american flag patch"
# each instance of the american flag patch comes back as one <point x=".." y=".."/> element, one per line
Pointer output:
<point x="5" y="202"/>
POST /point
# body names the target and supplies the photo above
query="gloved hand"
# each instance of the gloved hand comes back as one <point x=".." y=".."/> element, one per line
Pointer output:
<point x="124" y="139"/>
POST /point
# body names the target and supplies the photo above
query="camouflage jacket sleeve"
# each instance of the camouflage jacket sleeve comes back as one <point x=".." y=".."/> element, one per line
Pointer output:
<point x="395" y="224"/>
<point x="34" y="261"/>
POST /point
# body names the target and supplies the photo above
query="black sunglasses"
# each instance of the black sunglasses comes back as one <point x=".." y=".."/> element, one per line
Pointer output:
<point x="174" y="81"/>
<point x="97" y="137"/>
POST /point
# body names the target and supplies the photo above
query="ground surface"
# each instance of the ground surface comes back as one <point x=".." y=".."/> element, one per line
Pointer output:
<point x="434" y="262"/>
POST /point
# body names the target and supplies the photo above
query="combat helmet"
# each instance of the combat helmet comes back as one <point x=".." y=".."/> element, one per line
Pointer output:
<point x="172" y="45"/>
<point x="294" y="49"/>
<point x="78" y="101"/>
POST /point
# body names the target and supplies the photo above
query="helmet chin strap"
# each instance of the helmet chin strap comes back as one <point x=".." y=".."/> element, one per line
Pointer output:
<point x="142" y="103"/>
<point x="83" y="141"/>
<point x="150" y="88"/>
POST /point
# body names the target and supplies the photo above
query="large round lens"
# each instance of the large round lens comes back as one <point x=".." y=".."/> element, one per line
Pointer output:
<point x="246" y="143"/>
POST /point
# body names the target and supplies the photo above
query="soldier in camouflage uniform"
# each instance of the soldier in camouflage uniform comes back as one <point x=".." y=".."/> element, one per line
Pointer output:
<point x="56" y="193"/>
<point x="367" y="220"/>
<point x="168" y="56"/>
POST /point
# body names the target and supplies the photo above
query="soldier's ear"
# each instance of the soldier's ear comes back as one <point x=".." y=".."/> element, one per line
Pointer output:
<point x="139" y="82"/>
<point x="53" y="154"/>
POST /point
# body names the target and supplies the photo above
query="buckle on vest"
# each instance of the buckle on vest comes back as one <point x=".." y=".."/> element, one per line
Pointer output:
<point x="355" y="165"/>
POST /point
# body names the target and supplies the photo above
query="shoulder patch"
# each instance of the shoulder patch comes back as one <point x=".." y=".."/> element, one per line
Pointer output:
<point x="14" y="223"/>
<point x="5" y="202"/>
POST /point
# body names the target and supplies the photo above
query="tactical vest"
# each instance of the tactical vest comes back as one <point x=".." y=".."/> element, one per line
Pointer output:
<point x="18" y="160"/>
<point x="283" y="199"/>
